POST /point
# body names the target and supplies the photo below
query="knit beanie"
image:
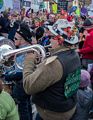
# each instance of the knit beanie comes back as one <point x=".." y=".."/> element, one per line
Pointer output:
<point x="88" y="23"/>
<point x="39" y="32"/>
<point x="85" y="78"/>
<point x="25" y="32"/>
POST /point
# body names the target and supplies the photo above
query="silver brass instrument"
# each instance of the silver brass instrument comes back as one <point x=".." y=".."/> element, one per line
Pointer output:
<point x="12" y="22"/>
<point x="8" y="51"/>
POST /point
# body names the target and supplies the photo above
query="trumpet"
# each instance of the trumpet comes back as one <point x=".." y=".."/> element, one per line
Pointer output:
<point x="7" y="52"/>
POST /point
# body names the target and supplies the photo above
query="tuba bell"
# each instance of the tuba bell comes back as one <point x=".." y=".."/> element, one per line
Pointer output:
<point x="8" y="52"/>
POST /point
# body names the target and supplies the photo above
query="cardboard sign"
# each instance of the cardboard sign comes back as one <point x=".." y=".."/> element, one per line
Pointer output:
<point x="63" y="23"/>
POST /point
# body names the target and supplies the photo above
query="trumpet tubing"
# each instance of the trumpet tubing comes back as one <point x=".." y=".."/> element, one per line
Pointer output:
<point x="7" y="52"/>
<point x="26" y="49"/>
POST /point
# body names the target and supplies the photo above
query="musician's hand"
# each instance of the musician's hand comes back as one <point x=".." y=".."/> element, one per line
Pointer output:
<point x="10" y="61"/>
<point x="31" y="56"/>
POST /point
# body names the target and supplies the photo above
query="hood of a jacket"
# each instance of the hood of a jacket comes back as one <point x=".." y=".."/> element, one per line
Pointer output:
<point x="84" y="97"/>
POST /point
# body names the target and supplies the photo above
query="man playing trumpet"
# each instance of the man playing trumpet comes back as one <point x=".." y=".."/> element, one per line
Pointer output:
<point x="22" y="39"/>
<point x="53" y="84"/>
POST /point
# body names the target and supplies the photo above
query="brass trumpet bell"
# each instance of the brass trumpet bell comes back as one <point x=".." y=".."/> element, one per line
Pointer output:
<point x="8" y="53"/>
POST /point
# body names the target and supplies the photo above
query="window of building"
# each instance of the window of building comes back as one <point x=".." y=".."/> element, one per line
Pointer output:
<point x="27" y="3"/>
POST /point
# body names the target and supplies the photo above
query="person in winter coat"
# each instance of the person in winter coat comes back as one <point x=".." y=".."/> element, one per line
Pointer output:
<point x="84" y="97"/>
<point x="51" y="83"/>
<point x="8" y="109"/>
<point x="87" y="50"/>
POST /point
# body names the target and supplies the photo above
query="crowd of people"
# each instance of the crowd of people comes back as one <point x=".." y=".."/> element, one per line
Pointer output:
<point x="60" y="87"/>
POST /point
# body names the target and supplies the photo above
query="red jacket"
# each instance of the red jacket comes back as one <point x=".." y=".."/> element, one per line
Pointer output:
<point x="87" y="50"/>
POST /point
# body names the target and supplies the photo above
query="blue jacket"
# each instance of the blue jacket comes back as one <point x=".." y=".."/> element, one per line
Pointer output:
<point x="84" y="97"/>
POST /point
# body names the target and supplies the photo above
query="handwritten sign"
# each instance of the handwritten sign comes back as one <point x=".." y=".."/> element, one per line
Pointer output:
<point x="16" y="5"/>
<point x="72" y="83"/>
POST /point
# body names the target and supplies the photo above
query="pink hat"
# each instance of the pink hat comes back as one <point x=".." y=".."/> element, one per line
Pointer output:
<point x="85" y="78"/>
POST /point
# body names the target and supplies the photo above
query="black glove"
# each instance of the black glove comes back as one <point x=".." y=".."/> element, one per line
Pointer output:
<point x="14" y="76"/>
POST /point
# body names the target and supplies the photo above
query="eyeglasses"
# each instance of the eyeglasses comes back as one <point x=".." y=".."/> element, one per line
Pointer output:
<point x="19" y="38"/>
<point x="16" y="38"/>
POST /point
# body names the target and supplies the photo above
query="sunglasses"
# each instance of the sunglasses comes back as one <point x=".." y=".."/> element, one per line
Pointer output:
<point x="19" y="38"/>
<point x="16" y="38"/>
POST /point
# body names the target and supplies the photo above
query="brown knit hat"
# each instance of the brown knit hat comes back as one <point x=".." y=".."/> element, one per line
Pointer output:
<point x="88" y="23"/>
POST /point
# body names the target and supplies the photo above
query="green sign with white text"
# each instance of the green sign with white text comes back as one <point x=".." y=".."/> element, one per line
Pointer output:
<point x="72" y="83"/>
